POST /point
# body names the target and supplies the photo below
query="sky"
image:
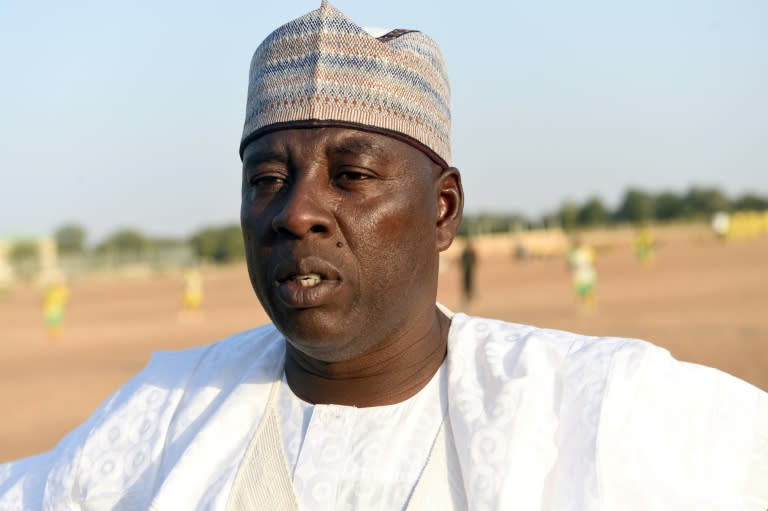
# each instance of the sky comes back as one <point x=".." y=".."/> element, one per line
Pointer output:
<point x="128" y="114"/>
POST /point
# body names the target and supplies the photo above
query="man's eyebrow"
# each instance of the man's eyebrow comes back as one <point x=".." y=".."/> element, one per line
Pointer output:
<point x="263" y="155"/>
<point x="357" y="145"/>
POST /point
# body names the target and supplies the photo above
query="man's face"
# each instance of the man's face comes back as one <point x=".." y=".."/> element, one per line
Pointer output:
<point x="342" y="232"/>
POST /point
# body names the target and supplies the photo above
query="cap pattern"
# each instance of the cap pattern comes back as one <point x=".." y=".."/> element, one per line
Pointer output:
<point x="324" y="70"/>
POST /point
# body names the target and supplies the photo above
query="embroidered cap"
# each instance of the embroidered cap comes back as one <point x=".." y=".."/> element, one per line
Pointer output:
<point x="324" y="70"/>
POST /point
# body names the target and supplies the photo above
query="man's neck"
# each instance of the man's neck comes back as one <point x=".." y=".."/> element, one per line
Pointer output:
<point x="388" y="375"/>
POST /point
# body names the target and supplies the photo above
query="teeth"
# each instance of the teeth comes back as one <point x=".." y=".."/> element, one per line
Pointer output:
<point x="309" y="280"/>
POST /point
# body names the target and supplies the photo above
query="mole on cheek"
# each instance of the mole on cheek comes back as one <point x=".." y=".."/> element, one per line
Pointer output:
<point x="339" y="244"/>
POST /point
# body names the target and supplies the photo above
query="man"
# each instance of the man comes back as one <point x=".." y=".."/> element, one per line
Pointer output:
<point x="363" y="393"/>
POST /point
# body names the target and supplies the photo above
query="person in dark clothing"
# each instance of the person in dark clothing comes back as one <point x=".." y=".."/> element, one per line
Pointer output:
<point x="468" y="261"/>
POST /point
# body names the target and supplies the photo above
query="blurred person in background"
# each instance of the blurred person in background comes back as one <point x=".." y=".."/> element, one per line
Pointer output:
<point x="192" y="297"/>
<point x="644" y="246"/>
<point x="55" y="298"/>
<point x="721" y="224"/>
<point x="363" y="393"/>
<point x="468" y="260"/>
<point x="581" y="262"/>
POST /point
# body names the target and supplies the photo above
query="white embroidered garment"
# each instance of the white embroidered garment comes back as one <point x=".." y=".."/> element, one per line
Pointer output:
<point x="263" y="480"/>
<point x="347" y="458"/>
<point x="541" y="420"/>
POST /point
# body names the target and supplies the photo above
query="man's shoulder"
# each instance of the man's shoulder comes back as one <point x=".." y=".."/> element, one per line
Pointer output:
<point x="500" y="362"/>
<point x="145" y="427"/>
<point x="604" y="419"/>
<point x="531" y="348"/>
<point x="591" y="365"/>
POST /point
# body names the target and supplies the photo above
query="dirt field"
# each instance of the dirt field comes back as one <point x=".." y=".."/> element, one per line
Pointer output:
<point x="705" y="301"/>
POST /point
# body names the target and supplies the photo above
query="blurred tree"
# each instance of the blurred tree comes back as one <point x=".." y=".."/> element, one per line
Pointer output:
<point x="24" y="256"/>
<point x="668" y="206"/>
<point x="569" y="215"/>
<point x="231" y="247"/>
<point x="70" y="239"/>
<point x="593" y="212"/>
<point x="548" y="221"/>
<point x="750" y="202"/>
<point x="637" y="206"/>
<point x="703" y="202"/>
<point x="24" y="251"/>
<point x="167" y="243"/>
<point x="126" y="242"/>
<point x="484" y="223"/>
<point x="219" y="244"/>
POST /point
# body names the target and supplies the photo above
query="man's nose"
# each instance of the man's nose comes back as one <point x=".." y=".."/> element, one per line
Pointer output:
<point x="303" y="211"/>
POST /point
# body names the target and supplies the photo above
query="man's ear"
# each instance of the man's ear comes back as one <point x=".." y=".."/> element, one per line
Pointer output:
<point x="450" y="205"/>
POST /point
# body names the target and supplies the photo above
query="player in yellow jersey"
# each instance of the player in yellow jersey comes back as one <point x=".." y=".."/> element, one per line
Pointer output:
<point x="192" y="298"/>
<point x="581" y="260"/>
<point x="645" y="246"/>
<point x="55" y="300"/>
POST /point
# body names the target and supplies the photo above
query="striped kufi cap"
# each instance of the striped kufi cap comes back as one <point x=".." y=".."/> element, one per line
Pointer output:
<point x="324" y="70"/>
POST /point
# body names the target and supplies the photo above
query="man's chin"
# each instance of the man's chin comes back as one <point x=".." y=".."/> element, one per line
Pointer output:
<point x="323" y="350"/>
<point x="317" y="334"/>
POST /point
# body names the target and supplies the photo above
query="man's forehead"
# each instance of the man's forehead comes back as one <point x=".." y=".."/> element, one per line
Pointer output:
<point x="278" y="144"/>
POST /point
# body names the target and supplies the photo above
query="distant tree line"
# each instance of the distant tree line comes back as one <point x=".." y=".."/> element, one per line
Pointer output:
<point x="219" y="244"/>
<point x="637" y="206"/>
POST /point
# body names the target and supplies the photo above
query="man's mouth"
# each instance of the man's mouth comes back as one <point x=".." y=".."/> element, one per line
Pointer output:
<point x="306" y="282"/>
<point x="307" y="272"/>
<point x="308" y="279"/>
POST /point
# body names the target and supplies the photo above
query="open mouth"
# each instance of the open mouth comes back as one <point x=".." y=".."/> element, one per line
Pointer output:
<point x="306" y="272"/>
<point x="307" y="280"/>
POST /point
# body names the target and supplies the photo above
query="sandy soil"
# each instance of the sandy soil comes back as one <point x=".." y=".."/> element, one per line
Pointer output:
<point x="705" y="301"/>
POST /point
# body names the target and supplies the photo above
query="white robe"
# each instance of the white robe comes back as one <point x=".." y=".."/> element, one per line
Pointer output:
<point x="541" y="420"/>
<point x="343" y="458"/>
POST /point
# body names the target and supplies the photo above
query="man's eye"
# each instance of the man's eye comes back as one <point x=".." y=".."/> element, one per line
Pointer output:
<point x="266" y="182"/>
<point x="347" y="176"/>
